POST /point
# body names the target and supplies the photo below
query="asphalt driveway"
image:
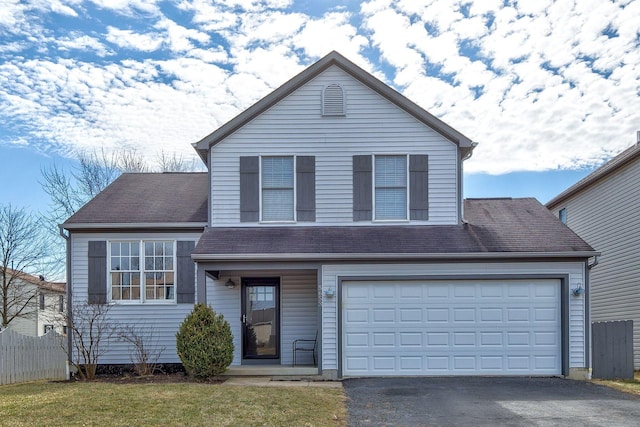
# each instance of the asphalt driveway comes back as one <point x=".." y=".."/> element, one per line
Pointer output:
<point x="487" y="402"/>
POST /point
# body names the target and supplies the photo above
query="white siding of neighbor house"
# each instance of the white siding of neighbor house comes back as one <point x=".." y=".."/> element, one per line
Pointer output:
<point x="330" y="274"/>
<point x="372" y="125"/>
<point x="162" y="320"/>
<point x="607" y="216"/>
<point x="298" y="308"/>
<point x="33" y="321"/>
<point x="51" y="314"/>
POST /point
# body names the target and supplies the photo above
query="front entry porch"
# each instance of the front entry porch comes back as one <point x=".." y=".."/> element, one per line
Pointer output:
<point x="270" y="311"/>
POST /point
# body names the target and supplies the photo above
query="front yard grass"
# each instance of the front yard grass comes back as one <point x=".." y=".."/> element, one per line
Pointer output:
<point x="177" y="404"/>
<point x="629" y="386"/>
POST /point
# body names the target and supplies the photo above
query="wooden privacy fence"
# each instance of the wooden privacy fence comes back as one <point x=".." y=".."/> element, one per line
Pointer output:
<point x="612" y="349"/>
<point x="24" y="358"/>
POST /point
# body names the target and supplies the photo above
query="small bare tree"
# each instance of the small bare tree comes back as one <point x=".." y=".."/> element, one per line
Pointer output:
<point x="145" y="350"/>
<point x="91" y="329"/>
<point x="22" y="250"/>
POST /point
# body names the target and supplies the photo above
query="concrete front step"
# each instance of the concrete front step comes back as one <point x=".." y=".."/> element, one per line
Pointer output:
<point x="271" y="371"/>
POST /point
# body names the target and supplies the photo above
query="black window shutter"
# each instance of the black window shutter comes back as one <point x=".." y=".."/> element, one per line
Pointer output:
<point x="306" y="188"/>
<point x="419" y="187"/>
<point x="97" y="288"/>
<point x="362" y="182"/>
<point x="185" y="272"/>
<point x="249" y="189"/>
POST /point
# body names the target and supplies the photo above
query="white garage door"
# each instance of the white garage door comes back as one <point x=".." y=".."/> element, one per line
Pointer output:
<point x="451" y="328"/>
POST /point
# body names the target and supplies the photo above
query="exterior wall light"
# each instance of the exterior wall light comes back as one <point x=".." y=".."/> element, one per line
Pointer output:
<point x="578" y="290"/>
<point x="329" y="292"/>
<point x="230" y="284"/>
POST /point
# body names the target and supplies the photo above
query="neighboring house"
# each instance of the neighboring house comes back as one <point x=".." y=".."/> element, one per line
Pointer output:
<point x="604" y="209"/>
<point x="334" y="206"/>
<point x="46" y="309"/>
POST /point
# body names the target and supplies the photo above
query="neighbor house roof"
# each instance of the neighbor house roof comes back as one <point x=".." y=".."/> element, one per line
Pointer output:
<point x="629" y="155"/>
<point x="176" y="200"/>
<point x="39" y="281"/>
<point x="496" y="227"/>
<point x="331" y="59"/>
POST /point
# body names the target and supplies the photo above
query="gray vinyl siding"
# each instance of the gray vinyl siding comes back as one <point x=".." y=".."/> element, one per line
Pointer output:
<point x="298" y="308"/>
<point x="607" y="216"/>
<point x="330" y="274"/>
<point x="372" y="125"/>
<point x="160" y="320"/>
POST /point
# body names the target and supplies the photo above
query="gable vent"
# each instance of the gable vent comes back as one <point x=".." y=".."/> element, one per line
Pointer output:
<point x="333" y="100"/>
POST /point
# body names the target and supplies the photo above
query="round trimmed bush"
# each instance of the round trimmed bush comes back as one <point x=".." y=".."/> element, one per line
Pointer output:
<point x="205" y="343"/>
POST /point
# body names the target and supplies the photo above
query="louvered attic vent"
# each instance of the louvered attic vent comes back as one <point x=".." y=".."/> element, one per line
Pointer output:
<point x="333" y="100"/>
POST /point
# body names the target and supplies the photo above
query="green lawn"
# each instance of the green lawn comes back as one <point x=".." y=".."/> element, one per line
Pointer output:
<point x="168" y="404"/>
<point x="629" y="386"/>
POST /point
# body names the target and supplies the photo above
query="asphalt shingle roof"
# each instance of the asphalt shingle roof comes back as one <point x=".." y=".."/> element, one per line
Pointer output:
<point x="494" y="225"/>
<point x="143" y="198"/>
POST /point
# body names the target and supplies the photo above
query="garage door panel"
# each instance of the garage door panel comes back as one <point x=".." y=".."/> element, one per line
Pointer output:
<point x="451" y="328"/>
<point x="411" y="315"/>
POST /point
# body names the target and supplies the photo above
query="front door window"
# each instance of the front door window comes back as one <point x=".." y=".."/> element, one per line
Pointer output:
<point x="260" y="318"/>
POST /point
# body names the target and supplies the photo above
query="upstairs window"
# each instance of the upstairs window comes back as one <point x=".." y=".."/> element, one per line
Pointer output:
<point x="333" y="102"/>
<point x="277" y="189"/>
<point x="390" y="185"/>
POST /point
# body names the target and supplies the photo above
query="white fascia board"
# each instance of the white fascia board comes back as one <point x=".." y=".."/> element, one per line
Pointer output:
<point x="395" y="256"/>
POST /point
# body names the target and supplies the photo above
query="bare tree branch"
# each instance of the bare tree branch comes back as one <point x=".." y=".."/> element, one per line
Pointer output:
<point x="23" y="249"/>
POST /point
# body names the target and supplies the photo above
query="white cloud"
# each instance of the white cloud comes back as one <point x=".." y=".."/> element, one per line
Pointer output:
<point x="128" y="39"/>
<point x="78" y="41"/>
<point x="178" y="37"/>
<point x="129" y="7"/>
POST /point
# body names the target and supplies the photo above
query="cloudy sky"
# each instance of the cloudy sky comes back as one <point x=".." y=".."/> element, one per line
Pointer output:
<point x="549" y="89"/>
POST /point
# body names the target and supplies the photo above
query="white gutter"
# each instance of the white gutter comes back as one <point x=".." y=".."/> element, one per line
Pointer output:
<point x="394" y="256"/>
<point x="132" y="225"/>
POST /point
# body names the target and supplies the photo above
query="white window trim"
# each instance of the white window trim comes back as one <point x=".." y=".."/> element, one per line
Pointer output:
<point x="295" y="186"/>
<point x="373" y="189"/>
<point x="143" y="293"/>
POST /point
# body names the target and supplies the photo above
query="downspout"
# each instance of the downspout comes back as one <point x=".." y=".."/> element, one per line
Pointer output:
<point x="587" y="307"/>
<point x="462" y="157"/>
<point x="69" y="316"/>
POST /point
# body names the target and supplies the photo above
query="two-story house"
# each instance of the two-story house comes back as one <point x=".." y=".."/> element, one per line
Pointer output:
<point x="604" y="209"/>
<point x="39" y="304"/>
<point x="333" y="208"/>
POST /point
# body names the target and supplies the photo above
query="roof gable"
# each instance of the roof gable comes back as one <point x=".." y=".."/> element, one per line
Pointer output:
<point x="464" y="143"/>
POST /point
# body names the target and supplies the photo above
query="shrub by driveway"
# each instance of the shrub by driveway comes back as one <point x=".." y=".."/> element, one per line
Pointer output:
<point x="474" y="401"/>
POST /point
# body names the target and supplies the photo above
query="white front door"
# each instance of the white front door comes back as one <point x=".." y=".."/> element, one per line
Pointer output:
<point x="454" y="327"/>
